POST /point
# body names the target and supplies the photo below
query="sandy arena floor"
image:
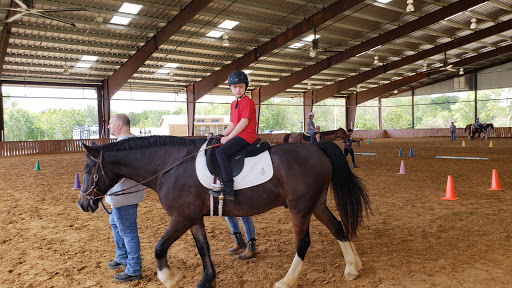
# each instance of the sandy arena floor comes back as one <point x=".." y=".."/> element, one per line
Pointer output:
<point x="413" y="239"/>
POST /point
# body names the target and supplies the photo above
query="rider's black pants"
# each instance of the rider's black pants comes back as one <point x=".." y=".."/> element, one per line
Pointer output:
<point x="224" y="154"/>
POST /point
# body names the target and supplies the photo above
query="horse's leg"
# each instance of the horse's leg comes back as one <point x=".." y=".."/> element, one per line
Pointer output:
<point x="203" y="248"/>
<point x="352" y="262"/>
<point x="302" y="242"/>
<point x="176" y="228"/>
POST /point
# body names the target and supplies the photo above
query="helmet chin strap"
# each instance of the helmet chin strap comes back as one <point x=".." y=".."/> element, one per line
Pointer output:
<point x="238" y="98"/>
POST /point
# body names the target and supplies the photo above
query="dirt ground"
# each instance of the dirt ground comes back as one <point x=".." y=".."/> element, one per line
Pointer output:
<point x="413" y="239"/>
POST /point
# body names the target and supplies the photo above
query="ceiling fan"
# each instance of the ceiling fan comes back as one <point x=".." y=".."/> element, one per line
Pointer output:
<point x="26" y="7"/>
<point x="446" y="66"/>
<point x="315" y="48"/>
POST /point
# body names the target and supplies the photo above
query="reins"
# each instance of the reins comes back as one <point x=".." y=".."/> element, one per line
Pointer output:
<point x="99" y="161"/>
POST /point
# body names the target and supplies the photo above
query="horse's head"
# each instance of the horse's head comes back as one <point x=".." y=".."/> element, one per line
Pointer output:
<point x="490" y="125"/>
<point x="342" y="134"/>
<point x="95" y="184"/>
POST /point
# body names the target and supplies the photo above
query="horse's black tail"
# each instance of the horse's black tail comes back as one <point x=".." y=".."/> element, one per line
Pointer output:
<point x="349" y="192"/>
<point x="286" y="138"/>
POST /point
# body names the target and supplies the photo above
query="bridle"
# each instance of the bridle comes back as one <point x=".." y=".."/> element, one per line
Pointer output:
<point x="93" y="192"/>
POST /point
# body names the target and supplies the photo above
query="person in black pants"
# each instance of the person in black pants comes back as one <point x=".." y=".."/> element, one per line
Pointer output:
<point x="348" y="147"/>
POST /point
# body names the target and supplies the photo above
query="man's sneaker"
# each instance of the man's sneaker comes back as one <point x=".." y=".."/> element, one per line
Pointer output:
<point x="115" y="265"/>
<point x="124" y="277"/>
<point x="355" y="166"/>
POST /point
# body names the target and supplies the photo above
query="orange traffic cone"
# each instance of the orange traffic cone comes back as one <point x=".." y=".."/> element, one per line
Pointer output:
<point x="495" y="183"/>
<point x="402" y="168"/>
<point x="450" y="192"/>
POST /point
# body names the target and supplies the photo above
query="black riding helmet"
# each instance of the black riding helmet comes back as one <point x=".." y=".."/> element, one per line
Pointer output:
<point x="238" y="77"/>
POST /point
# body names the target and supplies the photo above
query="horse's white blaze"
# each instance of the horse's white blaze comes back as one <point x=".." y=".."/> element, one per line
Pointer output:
<point x="352" y="262"/>
<point x="291" y="280"/>
<point x="167" y="277"/>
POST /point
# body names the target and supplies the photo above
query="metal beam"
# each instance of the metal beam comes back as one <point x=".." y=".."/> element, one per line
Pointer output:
<point x="394" y="85"/>
<point x="284" y="83"/>
<point x="123" y="74"/>
<point x="191" y="110"/>
<point x="340" y="86"/>
<point x="4" y="39"/>
<point x="206" y="84"/>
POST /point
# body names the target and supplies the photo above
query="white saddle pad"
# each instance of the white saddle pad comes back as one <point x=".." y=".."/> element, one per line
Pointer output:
<point x="256" y="170"/>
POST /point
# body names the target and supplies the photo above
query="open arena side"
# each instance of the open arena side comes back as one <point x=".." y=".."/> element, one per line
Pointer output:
<point x="413" y="239"/>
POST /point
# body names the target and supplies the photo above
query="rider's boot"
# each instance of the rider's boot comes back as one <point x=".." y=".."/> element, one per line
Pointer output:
<point x="240" y="244"/>
<point x="227" y="189"/>
<point x="250" y="252"/>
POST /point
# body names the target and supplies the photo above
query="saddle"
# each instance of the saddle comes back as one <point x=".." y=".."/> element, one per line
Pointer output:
<point x="237" y="161"/>
<point x="306" y="137"/>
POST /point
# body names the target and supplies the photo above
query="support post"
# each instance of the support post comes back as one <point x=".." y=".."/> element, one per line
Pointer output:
<point x="351" y="110"/>
<point x="379" y="101"/>
<point x="307" y="107"/>
<point x="412" y="107"/>
<point x="475" y="89"/>
<point x="2" y="126"/>
<point x="103" y="110"/>
<point x="191" y="110"/>
<point x="255" y="95"/>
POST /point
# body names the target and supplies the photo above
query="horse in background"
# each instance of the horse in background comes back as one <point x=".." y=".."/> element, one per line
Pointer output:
<point x="330" y="135"/>
<point x="473" y="130"/>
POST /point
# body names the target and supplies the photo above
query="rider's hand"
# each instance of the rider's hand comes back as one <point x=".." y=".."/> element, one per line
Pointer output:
<point x="224" y="139"/>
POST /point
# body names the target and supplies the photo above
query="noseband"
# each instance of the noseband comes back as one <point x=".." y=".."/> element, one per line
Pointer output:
<point x="93" y="192"/>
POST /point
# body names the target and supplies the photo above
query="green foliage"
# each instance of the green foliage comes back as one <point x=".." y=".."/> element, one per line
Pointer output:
<point x="281" y="116"/>
<point x="330" y="114"/>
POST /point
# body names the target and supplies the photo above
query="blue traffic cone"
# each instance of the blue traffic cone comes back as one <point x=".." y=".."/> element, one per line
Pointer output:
<point x="400" y="152"/>
<point x="410" y="153"/>
<point x="368" y="141"/>
<point x="77" y="183"/>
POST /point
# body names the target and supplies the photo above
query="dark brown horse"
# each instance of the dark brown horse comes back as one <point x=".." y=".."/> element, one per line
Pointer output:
<point x="472" y="130"/>
<point x="302" y="188"/>
<point x="330" y="135"/>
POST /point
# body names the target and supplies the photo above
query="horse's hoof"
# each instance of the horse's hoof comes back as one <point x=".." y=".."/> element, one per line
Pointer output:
<point x="283" y="284"/>
<point x="351" y="276"/>
<point x="168" y="278"/>
<point x="211" y="284"/>
<point x="351" y="273"/>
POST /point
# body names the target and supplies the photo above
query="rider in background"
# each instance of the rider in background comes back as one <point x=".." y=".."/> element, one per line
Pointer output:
<point x="240" y="134"/>
<point x="312" y="129"/>
<point x="348" y="147"/>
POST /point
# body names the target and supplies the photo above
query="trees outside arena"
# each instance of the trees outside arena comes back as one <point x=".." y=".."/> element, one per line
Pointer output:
<point x="432" y="111"/>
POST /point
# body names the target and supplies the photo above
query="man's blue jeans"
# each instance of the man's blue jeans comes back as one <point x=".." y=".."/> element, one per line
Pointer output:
<point x="123" y="221"/>
<point x="248" y="226"/>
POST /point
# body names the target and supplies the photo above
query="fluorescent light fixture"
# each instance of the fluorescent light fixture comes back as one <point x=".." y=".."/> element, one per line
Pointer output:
<point x="384" y="1"/>
<point x="296" y="45"/>
<point x="171" y="65"/>
<point x="120" y="20"/>
<point x="477" y="6"/>
<point x="449" y="17"/>
<point x="83" y="65"/>
<point x="311" y="37"/>
<point x="163" y="71"/>
<point x="130" y="8"/>
<point x="247" y="71"/>
<point x="89" y="58"/>
<point x="228" y="24"/>
<point x="376" y="47"/>
<point x="215" y="34"/>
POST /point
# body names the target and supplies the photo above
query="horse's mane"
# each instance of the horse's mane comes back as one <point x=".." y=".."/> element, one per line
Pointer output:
<point x="329" y="132"/>
<point x="151" y="141"/>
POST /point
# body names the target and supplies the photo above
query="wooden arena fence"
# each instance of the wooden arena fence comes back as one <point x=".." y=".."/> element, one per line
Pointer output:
<point x="14" y="148"/>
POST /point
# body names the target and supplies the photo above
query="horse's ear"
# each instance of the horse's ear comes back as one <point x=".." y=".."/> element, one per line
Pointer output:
<point x="93" y="151"/>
